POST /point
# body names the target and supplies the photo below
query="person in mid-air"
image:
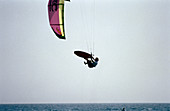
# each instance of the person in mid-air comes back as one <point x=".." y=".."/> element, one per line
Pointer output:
<point x="88" y="57"/>
<point x="92" y="62"/>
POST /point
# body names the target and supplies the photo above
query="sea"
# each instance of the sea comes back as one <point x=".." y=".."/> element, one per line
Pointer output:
<point x="86" y="107"/>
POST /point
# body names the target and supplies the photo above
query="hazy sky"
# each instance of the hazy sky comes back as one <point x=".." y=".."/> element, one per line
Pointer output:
<point x="131" y="39"/>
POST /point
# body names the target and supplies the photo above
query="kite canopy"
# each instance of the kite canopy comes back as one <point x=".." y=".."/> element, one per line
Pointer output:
<point x="56" y="17"/>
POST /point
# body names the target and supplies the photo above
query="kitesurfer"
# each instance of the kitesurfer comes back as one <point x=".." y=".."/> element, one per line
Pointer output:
<point x="91" y="62"/>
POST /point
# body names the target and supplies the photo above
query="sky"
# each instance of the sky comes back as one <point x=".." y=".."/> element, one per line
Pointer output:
<point x="131" y="39"/>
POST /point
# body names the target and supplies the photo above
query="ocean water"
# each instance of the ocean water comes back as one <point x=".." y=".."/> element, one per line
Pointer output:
<point x="84" y="107"/>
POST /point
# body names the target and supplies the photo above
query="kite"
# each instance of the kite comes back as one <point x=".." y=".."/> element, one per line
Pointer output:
<point x="56" y="17"/>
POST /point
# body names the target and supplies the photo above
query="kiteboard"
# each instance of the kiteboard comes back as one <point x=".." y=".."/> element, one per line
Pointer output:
<point x="82" y="54"/>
